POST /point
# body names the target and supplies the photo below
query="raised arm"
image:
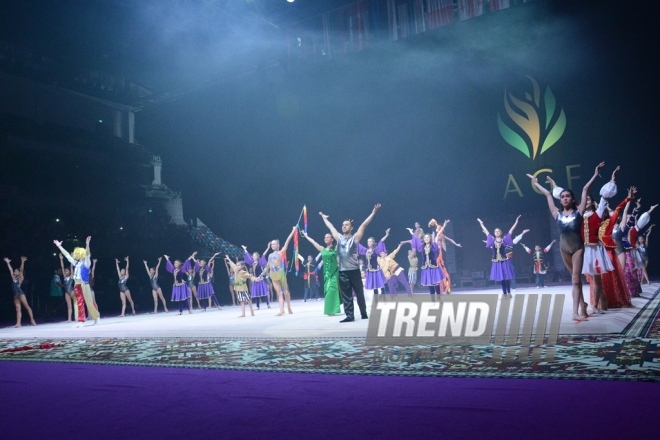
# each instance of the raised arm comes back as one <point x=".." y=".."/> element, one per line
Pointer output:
<point x="644" y="219"/>
<point x="387" y="234"/>
<point x="64" y="252"/>
<point x="93" y="267"/>
<point x="519" y="237"/>
<point x="127" y="263"/>
<point x="583" y="201"/>
<point x="513" y="228"/>
<point x="62" y="263"/>
<point x="288" y="239"/>
<point x="395" y="251"/>
<point x="528" y="250"/>
<point x="329" y="225"/>
<point x="548" y="247"/>
<point x="88" y="254"/>
<point x="11" y="270"/>
<point x="117" y="266"/>
<point x="483" y="228"/>
<point x="648" y="234"/>
<point x="363" y="227"/>
<point x="548" y="196"/>
<point x="146" y="266"/>
<point x="314" y="243"/>
<point x="21" y="270"/>
<point x="230" y="263"/>
<point x="452" y="241"/>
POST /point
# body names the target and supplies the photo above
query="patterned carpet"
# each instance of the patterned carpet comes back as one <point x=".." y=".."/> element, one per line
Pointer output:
<point x="631" y="355"/>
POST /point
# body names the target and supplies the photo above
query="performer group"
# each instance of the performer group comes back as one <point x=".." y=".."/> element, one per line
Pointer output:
<point x="607" y="245"/>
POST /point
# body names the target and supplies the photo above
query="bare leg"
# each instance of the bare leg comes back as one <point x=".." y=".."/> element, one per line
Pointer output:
<point x="574" y="265"/>
<point x="23" y="301"/>
<point x="278" y="288"/>
<point x="599" y="298"/>
<point x="67" y="299"/>
<point x="194" y="292"/>
<point x="251" y="309"/>
<point x="17" y="306"/>
<point x="243" y="309"/>
<point x="287" y="298"/>
<point x="622" y="259"/>
<point x="233" y="295"/>
<point x="155" y="295"/>
<point x="162" y="299"/>
<point x="645" y="274"/>
<point x="130" y="300"/>
<point x="122" y="296"/>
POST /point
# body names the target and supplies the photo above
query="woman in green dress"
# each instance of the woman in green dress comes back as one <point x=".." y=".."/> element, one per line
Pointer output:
<point x="330" y="274"/>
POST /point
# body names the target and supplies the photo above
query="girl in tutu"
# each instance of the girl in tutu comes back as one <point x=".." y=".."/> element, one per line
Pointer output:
<point x="431" y="274"/>
<point x="375" y="280"/>
<point x="501" y="269"/>
<point x="256" y="265"/>
<point x="205" y="287"/>
<point x="180" y="291"/>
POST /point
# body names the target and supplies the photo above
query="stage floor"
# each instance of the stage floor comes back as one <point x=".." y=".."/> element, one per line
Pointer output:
<point x="307" y="321"/>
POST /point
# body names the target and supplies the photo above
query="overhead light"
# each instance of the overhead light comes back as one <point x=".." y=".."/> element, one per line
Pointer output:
<point x="290" y="1"/>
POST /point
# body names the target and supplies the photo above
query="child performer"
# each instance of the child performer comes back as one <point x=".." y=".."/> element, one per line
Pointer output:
<point x="68" y="285"/>
<point x="124" y="293"/>
<point x="230" y="274"/>
<point x="190" y="281"/>
<point x="501" y="269"/>
<point x="331" y="298"/>
<point x="569" y="222"/>
<point x="156" y="291"/>
<point x="375" y="279"/>
<point x="277" y="270"/>
<point x="629" y="242"/>
<point x="311" y="279"/>
<point x="256" y="264"/>
<point x="539" y="269"/>
<point x="431" y="274"/>
<point x="241" y="275"/>
<point x="442" y="239"/>
<point x="642" y="246"/>
<point x="412" y="270"/>
<point x="17" y="277"/>
<point x="205" y="288"/>
<point x="180" y="291"/>
<point x="81" y="263"/>
<point x="393" y="272"/>
<point x="614" y="283"/>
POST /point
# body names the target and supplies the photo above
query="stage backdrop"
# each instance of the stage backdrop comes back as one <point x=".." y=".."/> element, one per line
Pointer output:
<point x="443" y="124"/>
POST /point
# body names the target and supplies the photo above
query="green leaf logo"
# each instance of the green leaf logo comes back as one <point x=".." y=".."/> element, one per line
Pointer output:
<point x="533" y="126"/>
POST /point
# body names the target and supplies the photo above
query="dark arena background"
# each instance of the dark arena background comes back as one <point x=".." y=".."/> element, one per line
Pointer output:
<point x="165" y="127"/>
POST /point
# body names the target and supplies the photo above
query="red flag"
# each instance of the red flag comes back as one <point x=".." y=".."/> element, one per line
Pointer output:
<point x="496" y="5"/>
<point x="470" y="8"/>
<point x="441" y="12"/>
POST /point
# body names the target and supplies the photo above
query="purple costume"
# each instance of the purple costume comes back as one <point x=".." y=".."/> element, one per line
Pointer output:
<point x="375" y="278"/>
<point x="204" y="288"/>
<point x="502" y="269"/>
<point x="180" y="291"/>
<point x="431" y="273"/>
<point x="259" y="288"/>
